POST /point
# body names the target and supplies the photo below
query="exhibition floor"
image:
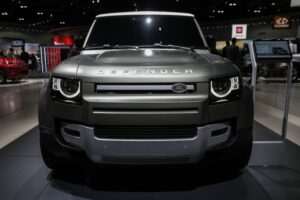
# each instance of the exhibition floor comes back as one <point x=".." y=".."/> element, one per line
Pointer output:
<point x="23" y="174"/>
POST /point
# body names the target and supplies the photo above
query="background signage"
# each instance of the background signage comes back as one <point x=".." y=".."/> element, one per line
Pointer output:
<point x="282" y="22"/>
<point x="239" y="31"/>
<point x="63" y="40"/>
<point x="17" y="43"/>
<point x="295" y="3"/>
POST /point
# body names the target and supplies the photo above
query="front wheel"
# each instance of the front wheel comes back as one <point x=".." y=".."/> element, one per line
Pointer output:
<point x="235" y="158"/>
<point x="240" y="162"/>
<point x="52" y="161"/>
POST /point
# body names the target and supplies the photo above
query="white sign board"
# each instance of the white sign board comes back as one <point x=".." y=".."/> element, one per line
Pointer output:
<point x="239" y="31"/>
<point x="295" y="3"/>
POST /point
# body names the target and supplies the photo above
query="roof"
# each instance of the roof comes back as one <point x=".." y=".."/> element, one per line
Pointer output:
<point x="145" y="13"/>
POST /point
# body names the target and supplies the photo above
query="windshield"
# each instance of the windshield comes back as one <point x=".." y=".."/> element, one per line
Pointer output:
<point x="137" y="30"/>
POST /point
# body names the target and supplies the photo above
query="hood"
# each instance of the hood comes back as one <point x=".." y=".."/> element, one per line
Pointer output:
<point x="143" y="66"/>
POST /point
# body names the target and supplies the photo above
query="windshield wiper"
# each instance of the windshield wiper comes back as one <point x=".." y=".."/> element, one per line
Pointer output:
<point x="104" y="46"/>
<point x="171" y="46"/>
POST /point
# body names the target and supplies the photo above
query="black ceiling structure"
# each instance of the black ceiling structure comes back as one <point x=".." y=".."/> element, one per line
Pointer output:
<point x="62" y="13"/>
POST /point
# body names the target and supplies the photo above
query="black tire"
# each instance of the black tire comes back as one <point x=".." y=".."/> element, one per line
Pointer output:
<point x="52" y="161"/>
<point x="295" y="75"/>
<point x="232" y="159"/>
<point x="239" y="162"/>
<point x="3" y="77"/>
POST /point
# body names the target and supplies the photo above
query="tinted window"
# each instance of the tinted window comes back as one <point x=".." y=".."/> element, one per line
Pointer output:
<point x="145" y="30"/>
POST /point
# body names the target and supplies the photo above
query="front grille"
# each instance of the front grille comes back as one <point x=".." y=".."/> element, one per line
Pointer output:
<point x="145" y="132"/>
<point x="177" y="88"/>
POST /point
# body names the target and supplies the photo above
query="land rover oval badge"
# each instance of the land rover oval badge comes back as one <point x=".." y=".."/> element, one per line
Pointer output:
<point x="179" y="88"/>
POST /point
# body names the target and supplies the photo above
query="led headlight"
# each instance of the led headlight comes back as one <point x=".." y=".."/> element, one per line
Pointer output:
<point x="223" y="88"/>
<point x="65" y="89"/>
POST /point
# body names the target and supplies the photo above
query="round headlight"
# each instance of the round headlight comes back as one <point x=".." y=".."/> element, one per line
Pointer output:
<point x="222" y="87"/>
<point x="69" y="88"/>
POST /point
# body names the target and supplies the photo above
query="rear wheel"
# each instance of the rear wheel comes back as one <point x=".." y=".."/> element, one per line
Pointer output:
<point x="3" y="77"/>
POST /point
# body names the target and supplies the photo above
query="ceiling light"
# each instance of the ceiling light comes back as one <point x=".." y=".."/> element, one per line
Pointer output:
<point x="148" y="20"/>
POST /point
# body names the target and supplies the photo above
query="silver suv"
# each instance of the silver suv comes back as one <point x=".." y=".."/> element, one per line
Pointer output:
<point x="146" y="91"/>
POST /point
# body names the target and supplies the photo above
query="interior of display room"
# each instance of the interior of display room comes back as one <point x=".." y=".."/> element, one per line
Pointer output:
<point x="258" y="28"/>
<point x="28" y="34"/>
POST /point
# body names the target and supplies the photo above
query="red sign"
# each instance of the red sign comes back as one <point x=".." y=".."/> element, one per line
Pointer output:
<point x="63" y="40"/>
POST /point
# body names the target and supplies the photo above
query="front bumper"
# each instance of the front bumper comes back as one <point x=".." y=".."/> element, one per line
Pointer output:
<point x="149" y="151"/>
<point x="236" y="116"/>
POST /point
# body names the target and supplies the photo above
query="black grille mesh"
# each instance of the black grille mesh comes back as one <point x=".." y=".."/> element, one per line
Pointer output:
<point x="145" y="132"/>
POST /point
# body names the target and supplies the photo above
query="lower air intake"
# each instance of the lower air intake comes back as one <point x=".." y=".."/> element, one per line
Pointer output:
<point x="145" y="132"/>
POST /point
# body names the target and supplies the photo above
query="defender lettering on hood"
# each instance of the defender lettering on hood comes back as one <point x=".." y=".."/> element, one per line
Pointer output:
<point x="147" y="71"/>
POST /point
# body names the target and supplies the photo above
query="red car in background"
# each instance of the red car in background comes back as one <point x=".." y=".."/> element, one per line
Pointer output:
<point x="13" y="69"/>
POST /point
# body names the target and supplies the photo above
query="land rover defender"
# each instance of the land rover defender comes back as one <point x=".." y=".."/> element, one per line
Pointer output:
<point x="145" y="90"/>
